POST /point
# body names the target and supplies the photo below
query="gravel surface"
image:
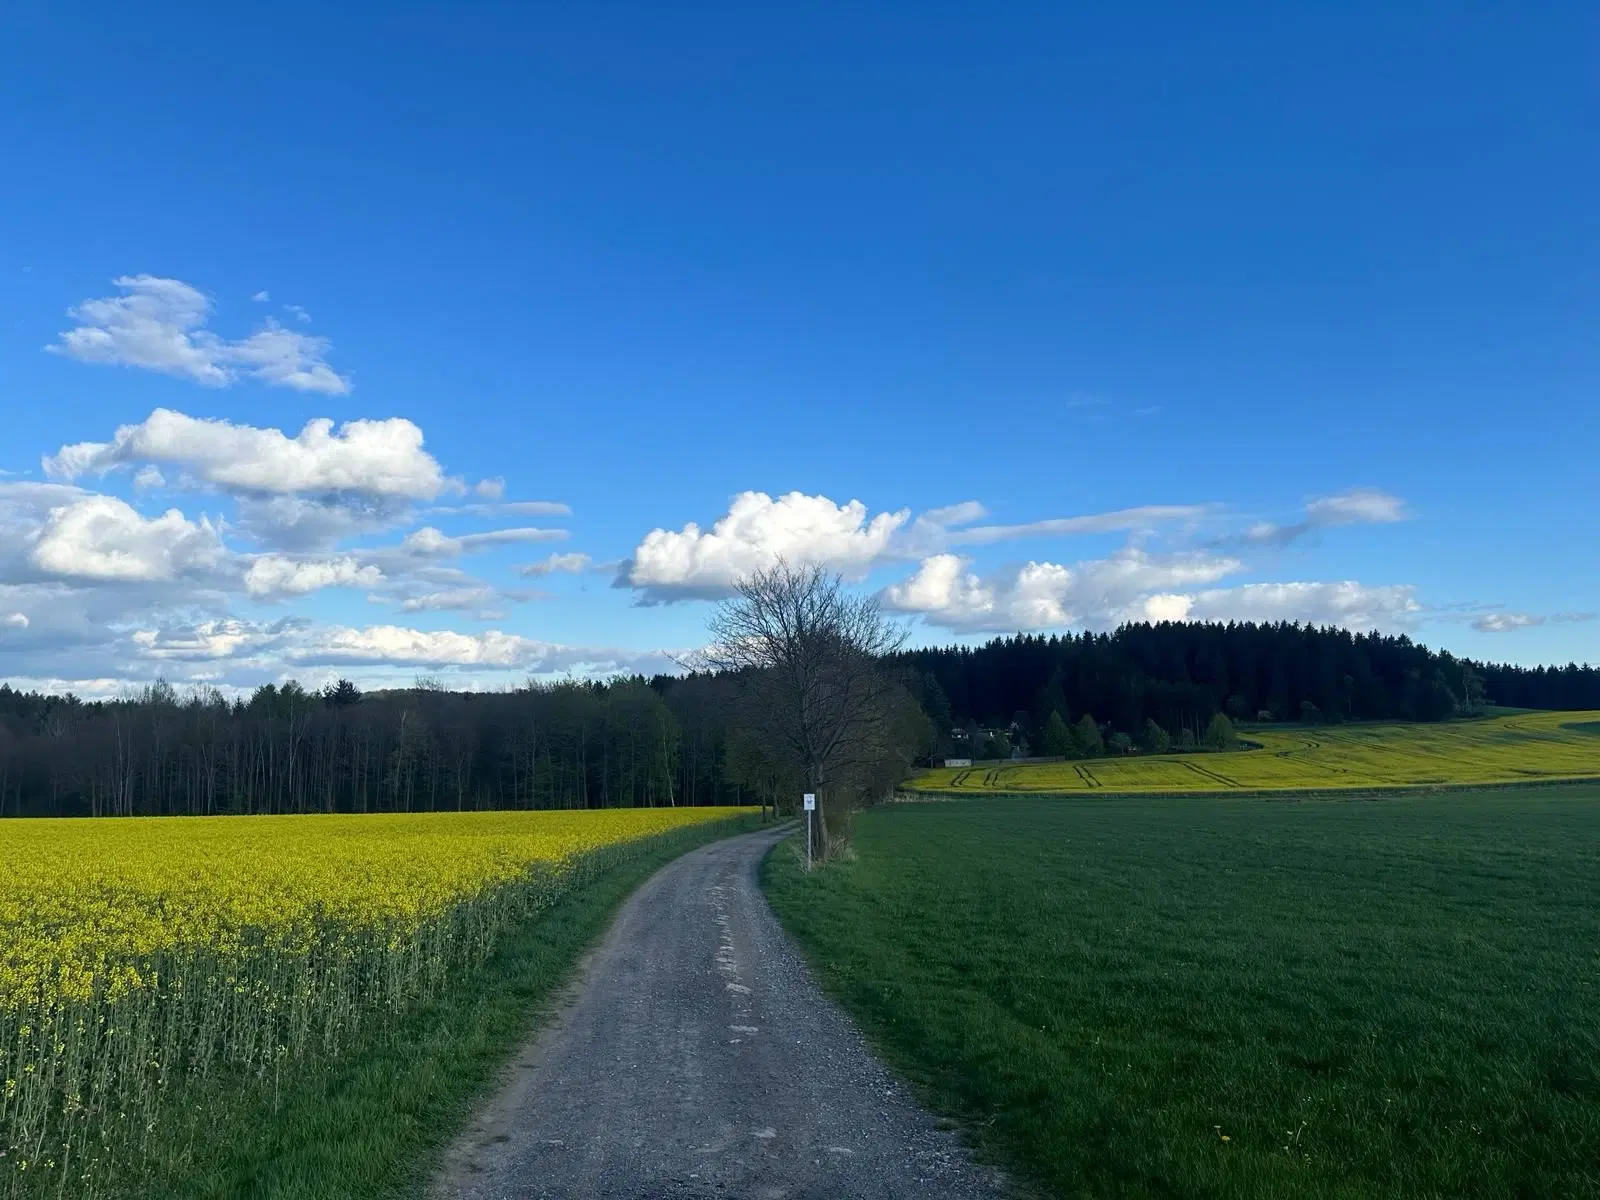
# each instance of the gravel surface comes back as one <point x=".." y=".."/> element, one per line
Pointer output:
<point x="696" y="1057"/>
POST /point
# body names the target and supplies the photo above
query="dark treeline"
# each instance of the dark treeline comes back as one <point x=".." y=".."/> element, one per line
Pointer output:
<point x="669" y="741"/>
<point x="1180" y="675"/>
<point x="625" y="742"/>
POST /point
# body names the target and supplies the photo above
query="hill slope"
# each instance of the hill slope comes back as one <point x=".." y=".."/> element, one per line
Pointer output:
<point x="1509" y="749"/>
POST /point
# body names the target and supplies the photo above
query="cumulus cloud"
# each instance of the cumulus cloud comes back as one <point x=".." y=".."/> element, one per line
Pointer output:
<point x="15" y="620"/>
<point x="573" y="563"/>
<point x="1356" y="506"/>
<point x="159" y="324"/>
<point x="204" y="640"/>
<point x="756" y="531"/>
<point x="429" y="542"/>
<point x="376" y="458"/>
<point x="1044" y="595"/>
<point x="1134" y="586"/>
<point x="1352" y="605"/>
<point x="278" y="575"/>
<point x="104" y="538"/>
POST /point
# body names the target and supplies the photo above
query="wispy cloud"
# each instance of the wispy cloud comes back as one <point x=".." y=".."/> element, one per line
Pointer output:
<point x="1355" y="506"/>
<point x="428" y="542"/>
<point x="506" y="508"/>
<point x="1510" y="622"/>
<point x="1124" y="520"/>
<point x="159" y="324"/>
<point x="572" y="564"/>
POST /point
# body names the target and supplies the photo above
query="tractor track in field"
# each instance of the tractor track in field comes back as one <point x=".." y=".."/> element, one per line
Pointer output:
<point x="696" y="1057"/>
<point x="1207" y="773"/>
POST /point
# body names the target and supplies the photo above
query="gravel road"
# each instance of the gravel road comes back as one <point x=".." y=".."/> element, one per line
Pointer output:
<point x="696" y="1057"/>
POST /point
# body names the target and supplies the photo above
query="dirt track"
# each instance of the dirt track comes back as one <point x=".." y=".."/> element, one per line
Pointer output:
<point x="696" y="1057"/>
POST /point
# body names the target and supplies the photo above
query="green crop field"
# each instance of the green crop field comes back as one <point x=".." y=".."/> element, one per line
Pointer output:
<point x="1230" y="997"/>
<point x="1502" y="749"/>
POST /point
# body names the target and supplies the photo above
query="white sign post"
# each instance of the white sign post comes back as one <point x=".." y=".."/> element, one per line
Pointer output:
<point x="811" y="807"/>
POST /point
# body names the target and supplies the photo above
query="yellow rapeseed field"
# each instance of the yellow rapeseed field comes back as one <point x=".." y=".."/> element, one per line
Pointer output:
<point x="137" y="953"/>
<point x="1525" y="748"/>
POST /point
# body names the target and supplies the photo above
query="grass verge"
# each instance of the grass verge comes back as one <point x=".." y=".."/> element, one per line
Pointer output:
<point x="1234" y="998"/>
<point x="373" y="1123"/>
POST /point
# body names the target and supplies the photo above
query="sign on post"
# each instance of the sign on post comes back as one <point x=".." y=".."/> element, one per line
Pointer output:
<point x="811" y="807"/>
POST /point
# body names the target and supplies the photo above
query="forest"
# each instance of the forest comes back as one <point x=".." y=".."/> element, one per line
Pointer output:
<point x="1180" y="675"/>
<point x="681" y="740"/>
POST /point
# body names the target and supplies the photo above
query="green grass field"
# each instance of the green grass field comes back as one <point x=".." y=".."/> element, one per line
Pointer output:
<point x="1232" y="997"/>
<point x="1503" y="749"/>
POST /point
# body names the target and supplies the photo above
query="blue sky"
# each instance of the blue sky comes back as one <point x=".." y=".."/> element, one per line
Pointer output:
<point x="1303" y="296"/>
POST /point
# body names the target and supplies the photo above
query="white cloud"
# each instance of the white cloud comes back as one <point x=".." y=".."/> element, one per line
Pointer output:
<point x="299" y="313"/>
<point x="1354" y="606"/>
<point x="507" y="508"/>
<point x="16" y="620"/>
<point x="1356" y="506"/>
<point x="394" y="645"/>
<point x="1141" y="518"/>
<point x="1044" y="595"/>
<point x="570" y="563"/>
<point x="1505" y="622"/>
<point x="1508" y="622"/>
<point x="261" y="297"/>
<point x="158" y="324"/>
<point x="428" y="542"/>
<point x="756" y="531"/>
<point x="155" y="325"/>
<point x="206" y="640"/>
<point x="149" y="477"/>
<point x="944" y="590"/>
<point x="288" y="358"/>
<point x="415" y="647"/>
<point x="449" y="600"/>
<point x="84" y="689"/>
<point x="278" y="575"/>
<point x="375" y="458"/>
<point x="491" y="489"/>
<point x="103" y="538"/>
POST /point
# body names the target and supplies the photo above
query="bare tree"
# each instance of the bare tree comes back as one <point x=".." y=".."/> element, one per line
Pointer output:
<point x="809" y="657"/>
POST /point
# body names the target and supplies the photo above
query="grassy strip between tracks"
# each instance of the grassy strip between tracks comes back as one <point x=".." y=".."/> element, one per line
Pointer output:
<point x="372" y="1123"/>
<point x="1227" y="997"/>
